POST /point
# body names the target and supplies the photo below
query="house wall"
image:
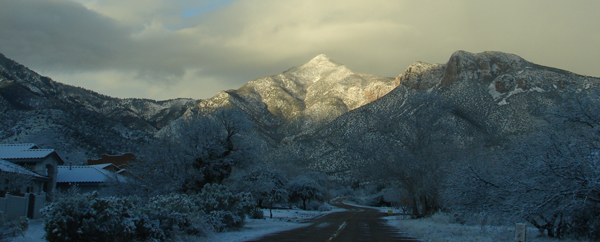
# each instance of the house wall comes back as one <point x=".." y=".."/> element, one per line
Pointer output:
<point x="48" y="167"/>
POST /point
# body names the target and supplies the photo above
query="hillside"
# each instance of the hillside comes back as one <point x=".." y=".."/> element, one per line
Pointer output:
<point x="79" y="123"/>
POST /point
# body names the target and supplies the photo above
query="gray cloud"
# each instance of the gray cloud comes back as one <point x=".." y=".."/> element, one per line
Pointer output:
<point x="147" y="48"/>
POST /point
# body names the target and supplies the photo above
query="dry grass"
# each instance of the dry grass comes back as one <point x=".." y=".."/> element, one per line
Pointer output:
<point x="440" y="228"/>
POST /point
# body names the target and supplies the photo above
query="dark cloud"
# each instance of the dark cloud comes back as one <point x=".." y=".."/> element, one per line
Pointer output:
<point x="151" y="48"/>
<point x="60" y="34"/>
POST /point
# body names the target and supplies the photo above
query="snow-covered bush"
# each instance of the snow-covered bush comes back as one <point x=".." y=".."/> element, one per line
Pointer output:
<point x="325" y="207"/>
<point x="224" y="209"/>
<point x="90" y="218"/>
<point x="10" y="230"/>
<point x="179" y="214"/>
<point x="257" y="213"/>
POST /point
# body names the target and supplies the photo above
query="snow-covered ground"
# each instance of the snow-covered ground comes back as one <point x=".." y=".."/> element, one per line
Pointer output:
<point x="35" y="232"/>
<point x="282" y="220"/>
<point x="285" y="219"/>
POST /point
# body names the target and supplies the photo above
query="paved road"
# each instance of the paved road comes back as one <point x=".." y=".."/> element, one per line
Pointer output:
<point x="356" y="224"/>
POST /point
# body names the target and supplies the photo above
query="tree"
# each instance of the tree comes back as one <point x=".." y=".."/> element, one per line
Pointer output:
<point x="267" y="186"/>
<point x="550" y="178"/>
<point x="194" y="151"/>
<point x="304" y="188"/>
<point x="14" y="182"/>
<point x="416" y="150"/>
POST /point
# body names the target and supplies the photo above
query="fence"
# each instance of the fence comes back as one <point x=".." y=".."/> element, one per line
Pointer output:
<point x="29" y="205"/>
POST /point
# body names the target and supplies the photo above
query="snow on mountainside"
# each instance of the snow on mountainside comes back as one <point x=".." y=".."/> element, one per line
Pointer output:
<point x="77" y="122"/>
<point x="484" y="99"/>
<point x="320" y="114"/>
<point x="303" y="98"/>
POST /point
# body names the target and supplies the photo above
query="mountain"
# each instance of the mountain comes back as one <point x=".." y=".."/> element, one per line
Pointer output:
<point x="76" y="122"/>
<point x="474" y="100"/>
<point x="320" y="115"/>
<point x="301" y="99"/>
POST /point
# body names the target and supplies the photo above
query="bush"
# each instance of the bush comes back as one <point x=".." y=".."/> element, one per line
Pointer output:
<point x="257" y="213"/>
<point x="89" y="218"/>
<point x="179" y="214"/>
<point x="10" y="230"/>
<point x="223" y="208"/>
<point x="325" y="207"/>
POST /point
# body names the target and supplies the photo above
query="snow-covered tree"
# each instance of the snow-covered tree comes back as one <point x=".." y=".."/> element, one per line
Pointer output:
<point x="267" y="186"/>
<point x="305" y="189"/>
<point x="194" y="151"/>
<point x="415" y="151"/>
<point x="13" y="182"/>
<point x="550" y="178"/>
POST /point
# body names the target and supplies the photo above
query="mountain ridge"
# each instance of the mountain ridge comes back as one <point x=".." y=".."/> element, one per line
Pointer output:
<point x="321" y="113"/>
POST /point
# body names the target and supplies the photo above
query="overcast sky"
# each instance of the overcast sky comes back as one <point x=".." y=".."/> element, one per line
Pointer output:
<point x="162" y="49"/>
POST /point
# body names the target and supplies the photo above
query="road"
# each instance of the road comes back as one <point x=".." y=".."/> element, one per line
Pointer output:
<point x="355" y="224"/>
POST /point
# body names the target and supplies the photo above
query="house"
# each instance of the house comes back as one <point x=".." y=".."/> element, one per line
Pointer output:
<point x="88" y="178"/>
<point x="21" y="191"/>
<point x="43" y="162"/>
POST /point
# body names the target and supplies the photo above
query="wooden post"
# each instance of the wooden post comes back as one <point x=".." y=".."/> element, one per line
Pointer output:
<point x="520" y="232"/>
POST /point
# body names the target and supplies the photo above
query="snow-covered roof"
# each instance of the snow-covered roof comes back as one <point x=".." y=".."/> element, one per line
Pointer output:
<point x="84" y="174"/>
<point x="7" y="166"/>
<point x="24" y="151"/>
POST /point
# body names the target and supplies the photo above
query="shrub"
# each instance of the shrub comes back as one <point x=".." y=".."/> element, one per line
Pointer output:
<point x="257" y="213"/>
<point x="178" y="214"/>
<point x="10" y="230"/>
<point x="89" y="218"/>
<point x="223" y="208"/>
<point x="325" y="207"/>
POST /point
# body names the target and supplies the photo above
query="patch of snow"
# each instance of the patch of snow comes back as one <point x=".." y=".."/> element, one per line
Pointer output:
<point x="496" y="95"/>
<point x="503" y="102"/>
<point x="538" y="89"/>
<point x="283" y="220"/>
<point x="35" y="232"/>
<point x="514" y="92"/>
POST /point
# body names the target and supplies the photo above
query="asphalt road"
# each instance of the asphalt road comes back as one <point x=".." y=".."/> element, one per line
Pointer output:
<point x="355" y="224"/>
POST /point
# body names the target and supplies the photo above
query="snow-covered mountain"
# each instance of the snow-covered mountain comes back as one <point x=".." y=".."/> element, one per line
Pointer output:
<point x="77" y="122"/>
<point x="302" y="99"/>
<point x="320" y="115"/>
<point x="474" y="100"/>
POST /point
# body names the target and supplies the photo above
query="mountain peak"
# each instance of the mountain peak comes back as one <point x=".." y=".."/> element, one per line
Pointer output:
<point x="322" y="61"/>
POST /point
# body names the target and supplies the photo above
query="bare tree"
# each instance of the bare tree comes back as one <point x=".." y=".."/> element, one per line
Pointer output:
<point x="416" y="151"/>
<point x="266" y="186"/>
<point x="194" y="151"/>
<point x="550" y="178"/>
<point x="14" y="182"/>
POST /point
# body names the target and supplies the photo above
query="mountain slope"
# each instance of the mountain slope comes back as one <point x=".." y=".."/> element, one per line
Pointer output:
<point x="74" y="120"/>
<point x="303" y="98"/>
<point x="474" y="100"/>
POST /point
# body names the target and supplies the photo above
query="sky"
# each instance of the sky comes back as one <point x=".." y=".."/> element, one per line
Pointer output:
<point x="163" y="49"/>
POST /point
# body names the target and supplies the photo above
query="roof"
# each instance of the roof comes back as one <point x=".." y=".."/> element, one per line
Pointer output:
<point x="7" y="166"/>
<point x="25" y="152"/>
<point x="84" y="174"/>
<point x="121" y="161"/>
